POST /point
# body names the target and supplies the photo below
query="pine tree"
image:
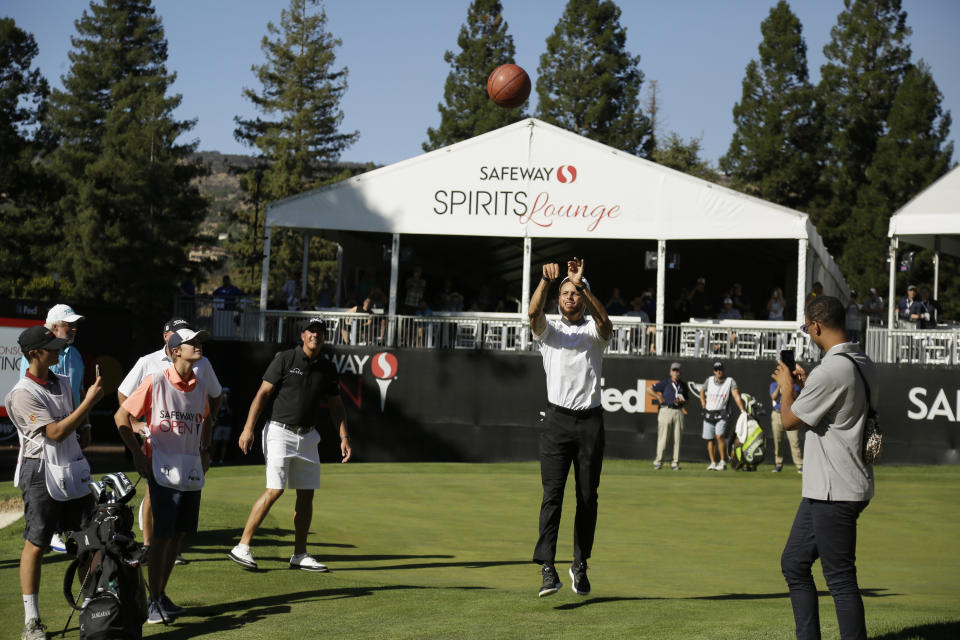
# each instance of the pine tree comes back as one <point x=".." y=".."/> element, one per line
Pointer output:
<point x="912" y="154"/>
<point x="774" y="150"/>
<point x="867" y="58"/>
<point x="301" y="147"/>
<point x="589" y="83"/>
<point x="467" y="111"/>
<point x="683" y="156"/>
<point x="26" y="188"/>
<point x="130" y="212"/>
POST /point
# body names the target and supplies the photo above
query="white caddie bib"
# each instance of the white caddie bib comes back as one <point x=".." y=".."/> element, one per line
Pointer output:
<point x="66" y="472"/>
<point x="176" y="433"/>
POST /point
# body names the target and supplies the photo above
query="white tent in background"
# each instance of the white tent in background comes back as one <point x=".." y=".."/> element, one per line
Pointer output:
<point x="534" y="180"/>
<point x="931" y="220"/>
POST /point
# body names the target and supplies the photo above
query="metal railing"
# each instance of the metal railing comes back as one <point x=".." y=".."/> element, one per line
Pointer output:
<point x="240" y="319"/>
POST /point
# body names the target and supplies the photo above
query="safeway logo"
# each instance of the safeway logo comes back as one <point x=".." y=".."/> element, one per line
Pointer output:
<point x="566" y="173"/>
<point x="384" y="367"/>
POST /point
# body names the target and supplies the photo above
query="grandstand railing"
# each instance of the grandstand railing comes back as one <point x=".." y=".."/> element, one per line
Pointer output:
<point x="241" y="319"/>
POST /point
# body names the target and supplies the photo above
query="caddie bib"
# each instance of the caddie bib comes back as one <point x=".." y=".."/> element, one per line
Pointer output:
<point x="176" y="434"/>
<point x="66" y="472"/>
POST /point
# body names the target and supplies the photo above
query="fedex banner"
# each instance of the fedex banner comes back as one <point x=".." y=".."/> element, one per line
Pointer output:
<point x="407" y="404"/>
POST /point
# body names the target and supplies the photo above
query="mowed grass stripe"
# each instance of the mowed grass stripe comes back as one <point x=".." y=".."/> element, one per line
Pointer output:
<point x="443" y="551"/>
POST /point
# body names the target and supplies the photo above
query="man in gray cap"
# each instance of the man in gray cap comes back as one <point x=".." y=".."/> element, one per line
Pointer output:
<point x="672" y="395"/>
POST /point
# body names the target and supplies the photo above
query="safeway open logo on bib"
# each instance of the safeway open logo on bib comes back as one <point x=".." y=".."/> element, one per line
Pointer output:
<point x="384" y="367"/>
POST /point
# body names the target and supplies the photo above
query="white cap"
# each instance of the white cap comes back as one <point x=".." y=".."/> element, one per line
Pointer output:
<point x="62" y="313"/>
<point x="180" y="336"/>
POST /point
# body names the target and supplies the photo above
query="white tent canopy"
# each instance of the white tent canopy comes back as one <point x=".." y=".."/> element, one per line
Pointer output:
<point x="931" y="220"/>
<point x="534" y="180"/>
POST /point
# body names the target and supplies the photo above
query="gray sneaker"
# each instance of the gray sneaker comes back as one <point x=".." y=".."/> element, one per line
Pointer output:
<point x="34" y="630"/>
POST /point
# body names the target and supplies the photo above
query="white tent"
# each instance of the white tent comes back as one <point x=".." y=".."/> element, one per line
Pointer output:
<point x="534" y="180"/>
<point x="931" y="220"/>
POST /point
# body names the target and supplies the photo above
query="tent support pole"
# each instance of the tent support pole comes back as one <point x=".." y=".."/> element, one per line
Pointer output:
<point x="336" y="295"/>
<point x="801" y="276"/>
<point x="936" y="268"/>
<point x="525" y="290"/>
<point x="264" y="280"/>
<point x="394" y="278"/>
<point x="303" y="268"/>
<point x="891" y="303"/>
<point x="661" y="291"/>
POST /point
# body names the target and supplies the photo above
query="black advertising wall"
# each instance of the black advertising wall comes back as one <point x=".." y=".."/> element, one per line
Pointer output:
<point x="407" y="405"/>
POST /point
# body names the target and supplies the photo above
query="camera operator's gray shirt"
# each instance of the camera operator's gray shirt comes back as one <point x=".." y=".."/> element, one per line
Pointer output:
<point x="833" y="405"/>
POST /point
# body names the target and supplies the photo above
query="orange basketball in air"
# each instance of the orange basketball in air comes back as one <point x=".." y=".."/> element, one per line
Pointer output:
<point x="508" y="86"/>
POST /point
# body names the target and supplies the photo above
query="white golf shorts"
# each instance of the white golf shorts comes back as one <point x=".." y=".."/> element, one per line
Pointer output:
<point x="293" y="461"/>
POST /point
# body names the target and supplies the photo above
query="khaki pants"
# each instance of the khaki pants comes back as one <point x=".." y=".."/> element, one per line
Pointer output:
<point x="669" y="419"/>
<point x="796" y="452"/>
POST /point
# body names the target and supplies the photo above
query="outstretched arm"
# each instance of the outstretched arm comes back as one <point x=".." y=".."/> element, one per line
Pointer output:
<point x="538" y="320"/>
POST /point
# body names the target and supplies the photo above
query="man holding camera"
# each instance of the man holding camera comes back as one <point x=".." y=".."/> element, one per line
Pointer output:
<point x="671" y="394"/>
<point x="837" y="482"/>
<point x="51" y="471"/>
<point x="175" y="406"/>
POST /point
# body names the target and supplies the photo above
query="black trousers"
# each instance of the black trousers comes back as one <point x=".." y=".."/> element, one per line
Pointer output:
<point x="566" y="440"/>
<point x="826" y="530"/>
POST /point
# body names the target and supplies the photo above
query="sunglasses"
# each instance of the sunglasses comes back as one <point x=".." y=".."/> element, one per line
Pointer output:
<point x="806" y="327"/>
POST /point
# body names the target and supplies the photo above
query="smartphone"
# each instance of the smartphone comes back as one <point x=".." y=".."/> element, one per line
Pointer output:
<point x="787" y="358"/>
<point x="98" y="370"/>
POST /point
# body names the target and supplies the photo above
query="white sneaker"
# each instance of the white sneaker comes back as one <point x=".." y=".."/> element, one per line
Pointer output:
<point x="57" y="544"/>
<point x="307" y="562"/>
<point x="243" y="556"/>
<point x="721" y="465"/>
<point x="712" y="467"/>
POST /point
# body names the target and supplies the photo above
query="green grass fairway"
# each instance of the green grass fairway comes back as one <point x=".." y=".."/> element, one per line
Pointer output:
<point x="443" y="551"/>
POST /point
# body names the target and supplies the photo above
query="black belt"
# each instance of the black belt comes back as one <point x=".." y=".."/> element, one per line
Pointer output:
<point x="294" y="428"/>
<point x="576" y="413"/>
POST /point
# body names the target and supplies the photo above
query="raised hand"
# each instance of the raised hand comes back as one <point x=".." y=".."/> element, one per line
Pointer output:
<point x="551" y="271"/>
<point x="575" y="270"/>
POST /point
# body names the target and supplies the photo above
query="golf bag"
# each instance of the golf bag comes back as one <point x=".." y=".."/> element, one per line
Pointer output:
<point x="113" y="592"/>
<point x="748" y="446"/>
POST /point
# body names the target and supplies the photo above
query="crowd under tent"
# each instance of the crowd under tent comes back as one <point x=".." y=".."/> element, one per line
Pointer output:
<point x="531" y="190"/>
<point x="930" y="220"/>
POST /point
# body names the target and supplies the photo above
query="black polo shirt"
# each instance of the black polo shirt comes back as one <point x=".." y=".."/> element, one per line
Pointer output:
<point x="302" y="387"/>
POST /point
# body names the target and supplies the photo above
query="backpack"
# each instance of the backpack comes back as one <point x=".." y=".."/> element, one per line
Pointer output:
<point x="113" y="593"/>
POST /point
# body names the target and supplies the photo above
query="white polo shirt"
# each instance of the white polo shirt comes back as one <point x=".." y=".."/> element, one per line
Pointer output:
<point x="573" y="361"/>
<point x="833" y="404"/>
<point x="158" y="362"/>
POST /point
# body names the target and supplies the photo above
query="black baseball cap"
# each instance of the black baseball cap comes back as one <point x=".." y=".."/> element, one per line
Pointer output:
<point x="315" y="323"/>
<point x="175" y="323"/>
<point x="717" y="365"/>
<point x="39" y="337"/>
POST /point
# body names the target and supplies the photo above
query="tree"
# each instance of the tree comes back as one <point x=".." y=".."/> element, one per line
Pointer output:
<point x="867" y="58"/>
<point x="911" y="154"/>
<point x="587" y="81"/>
<point x="300" y="148"/>
<point x="774" y="150"/>
<point x="684" y="156"/>
<point x="130" y="212"/>
<point x="467" y="111"/>
<point x="26" y="188"/>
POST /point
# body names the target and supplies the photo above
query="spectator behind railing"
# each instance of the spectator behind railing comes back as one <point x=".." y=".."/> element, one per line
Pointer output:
<point x="853" y="318"/>
<point x="776" y="305"/>
<point x="931" y="309"/>
<point x="909" y="309"/>
<point x="873" y="308"/>
<point x="225" y="296"/>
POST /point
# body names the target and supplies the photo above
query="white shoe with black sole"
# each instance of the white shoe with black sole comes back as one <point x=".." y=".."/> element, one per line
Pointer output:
<point x="307" y="562"/>
<point x="243" y="557"/>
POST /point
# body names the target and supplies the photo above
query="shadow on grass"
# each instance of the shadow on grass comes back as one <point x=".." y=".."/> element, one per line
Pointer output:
<point x="584" y="603"/>
<point x="866" y="593"/>
<point x="933" y="631"/>
<point x="218" y="538"/>
<point x="234" y="615"/>
<point x="423" y="565"/>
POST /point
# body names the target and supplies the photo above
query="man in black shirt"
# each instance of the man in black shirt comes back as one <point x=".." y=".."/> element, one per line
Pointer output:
<point x="300" y="382"/>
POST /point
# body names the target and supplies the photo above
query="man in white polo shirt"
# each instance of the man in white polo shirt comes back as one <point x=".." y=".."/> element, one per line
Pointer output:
<point x="837" y="482"/>
<point x="572" y="349"/>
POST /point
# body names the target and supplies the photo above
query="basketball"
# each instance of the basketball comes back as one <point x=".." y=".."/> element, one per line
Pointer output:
<point x="508" y="86"/>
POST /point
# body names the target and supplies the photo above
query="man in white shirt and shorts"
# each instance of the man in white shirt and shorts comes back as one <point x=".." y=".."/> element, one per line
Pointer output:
<point x="715" y="397"/>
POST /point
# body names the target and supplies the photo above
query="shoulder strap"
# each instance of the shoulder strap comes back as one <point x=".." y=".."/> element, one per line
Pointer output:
<point x="862" y="377"/>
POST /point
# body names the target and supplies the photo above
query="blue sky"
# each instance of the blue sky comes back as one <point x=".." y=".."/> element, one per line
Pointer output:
<point x="696" y="50"/>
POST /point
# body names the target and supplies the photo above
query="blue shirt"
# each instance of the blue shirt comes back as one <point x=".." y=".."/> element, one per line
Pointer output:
<point x="669" y="389"/>
<point x="773" y="387"/>
<point x="70" y="365"/>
